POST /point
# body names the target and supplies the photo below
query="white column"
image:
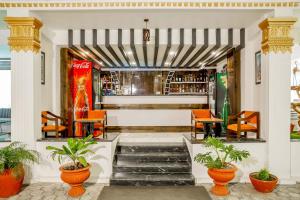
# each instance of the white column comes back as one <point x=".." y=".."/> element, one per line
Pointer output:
<point x="275" y="118"/>
<point x="26" y="79"/>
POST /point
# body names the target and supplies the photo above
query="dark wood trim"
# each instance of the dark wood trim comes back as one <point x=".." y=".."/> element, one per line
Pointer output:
<point x="190" y="50"/>
<point x="242" y="39"/>
<point x="121" y="47"/>
<point x="152" y="106"/>
<point x="168" y="47"/>
<point x="201" y="50"/>
<point x="208" y="54"/>
<point x="70" y="38"/>
<point x="145" y="53"/>
<point x="110" y="49"/>
<point x="148" y="129"/>
<point x="92" y="55"/>
<point x="156" y="47"/>
<point x="132" y="46"/>
<point x="224" y="51"/>
<point x="99" y="50"/>
<point x="180" y="47"/>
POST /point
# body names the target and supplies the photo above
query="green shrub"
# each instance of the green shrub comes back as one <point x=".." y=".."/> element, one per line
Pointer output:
<point x="74" y="151"/>
<point x="15" y="155"/>
<point x="223" y="154"/>
<point x="264" y="175"/>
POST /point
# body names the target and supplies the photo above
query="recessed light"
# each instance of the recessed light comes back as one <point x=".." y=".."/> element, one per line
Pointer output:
<point x="172" y="53"/>
<point x="213" y="53"/>
<point x="129" y="52"/>
<point x="132" y="63"/>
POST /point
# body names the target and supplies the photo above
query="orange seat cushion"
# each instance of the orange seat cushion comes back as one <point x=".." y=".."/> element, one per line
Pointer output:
<point x="244" y="127"/>
<point x="199" y="125"/>
<point x="52" y="128"/>
<point x="98" y="125"/>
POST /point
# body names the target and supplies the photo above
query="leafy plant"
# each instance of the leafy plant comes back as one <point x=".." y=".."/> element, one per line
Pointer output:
<point x="16" y="154"/>
<point x="74" y="151"/>
<point x="223" y="154"/>
<point x="264" y="175"/>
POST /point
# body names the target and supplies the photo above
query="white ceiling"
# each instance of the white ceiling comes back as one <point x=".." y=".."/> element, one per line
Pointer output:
<point x="113" y="19"/>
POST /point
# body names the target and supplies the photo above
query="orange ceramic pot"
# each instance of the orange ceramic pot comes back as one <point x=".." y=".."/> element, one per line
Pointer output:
<point x="75" y="178"/>
<point x="221" y="179"/>
<point x="11" y="183"/>
<point x="263" y="186"/>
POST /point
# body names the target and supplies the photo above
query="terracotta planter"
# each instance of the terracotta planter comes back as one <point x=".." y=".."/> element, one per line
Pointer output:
<point x="75" y="178"/>
<point x="263" y="186"/>
<point x="221" y="179"/>
<point x="11" y="184"/>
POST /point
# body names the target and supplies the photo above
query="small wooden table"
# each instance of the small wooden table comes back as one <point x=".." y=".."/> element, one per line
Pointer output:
<point x="90" y="122"/>
<point x="208" y="124"/>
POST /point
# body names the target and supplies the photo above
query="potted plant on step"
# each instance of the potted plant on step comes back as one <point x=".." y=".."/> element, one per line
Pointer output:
<point x="12" y="159"/>
<point x="219" y="163"/>
<point x="263" y="181"/>
<point x="78" y="170"/>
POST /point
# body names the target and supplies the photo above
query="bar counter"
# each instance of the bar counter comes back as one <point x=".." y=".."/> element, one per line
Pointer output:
<point x="150" y="111"/>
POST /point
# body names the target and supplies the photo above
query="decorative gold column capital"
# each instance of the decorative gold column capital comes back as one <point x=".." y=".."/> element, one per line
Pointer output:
<point x="24" y="33"/>
<point x="276" y="34"/>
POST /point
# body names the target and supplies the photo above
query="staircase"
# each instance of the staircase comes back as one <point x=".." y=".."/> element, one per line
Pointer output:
<point x="148" y="164"/>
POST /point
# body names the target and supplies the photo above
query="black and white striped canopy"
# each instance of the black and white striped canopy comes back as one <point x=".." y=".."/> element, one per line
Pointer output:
<point x="168" y="48"/>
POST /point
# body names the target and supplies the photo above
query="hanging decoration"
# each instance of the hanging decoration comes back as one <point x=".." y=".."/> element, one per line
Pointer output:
<point x="146" y="32"/>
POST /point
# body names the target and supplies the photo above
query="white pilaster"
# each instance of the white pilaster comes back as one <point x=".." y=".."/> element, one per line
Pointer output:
<point x="275" y="87"/>
<point x="276" y="117"/>
<point x="25" y="95"/>
<point x="25" y="80"/>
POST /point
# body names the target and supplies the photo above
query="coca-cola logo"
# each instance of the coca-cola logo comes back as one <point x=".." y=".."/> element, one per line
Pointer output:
<point x="81" y="65"/>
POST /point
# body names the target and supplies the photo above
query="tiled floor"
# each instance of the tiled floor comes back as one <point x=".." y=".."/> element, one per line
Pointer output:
<point x="57" y="191"/>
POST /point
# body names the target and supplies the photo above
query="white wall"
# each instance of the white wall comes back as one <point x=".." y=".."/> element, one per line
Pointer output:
<point x="254" y="163"/>
<point x="47" y="89"/>
<point x="295" y="166"/>
<point x="48" y="170"/>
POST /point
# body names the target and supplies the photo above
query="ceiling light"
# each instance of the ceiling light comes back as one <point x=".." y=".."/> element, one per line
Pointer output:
<point x="132" y="63"/>
<point x="213" y="53"/>
<point x="129" y="52"/>
<point x="167" y="63"/>
<point x="200" y="63"/>
<point x="172" y="53"/>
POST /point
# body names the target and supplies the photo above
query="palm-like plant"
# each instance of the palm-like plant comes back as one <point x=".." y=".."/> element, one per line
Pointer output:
<point x="74" y="151"/>
<point x="16" y="154"/>
<point x="224" y="154"/>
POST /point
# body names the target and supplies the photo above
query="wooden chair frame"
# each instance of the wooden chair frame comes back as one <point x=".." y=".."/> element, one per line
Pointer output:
<point x="245" y="119"/>
<point x="54" y="118"/>
<point x="194" y="129"/>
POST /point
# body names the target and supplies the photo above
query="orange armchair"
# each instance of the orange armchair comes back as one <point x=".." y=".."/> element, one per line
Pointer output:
<point x="246" y="121"/>
<point x="197" y="127"/>
<point x="57" y="128"/>
<point x="99" y="128"/>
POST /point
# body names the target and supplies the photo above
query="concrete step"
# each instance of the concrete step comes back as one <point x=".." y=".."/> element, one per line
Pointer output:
<point x="148" y="179"/>
<point x="152" y="167"/>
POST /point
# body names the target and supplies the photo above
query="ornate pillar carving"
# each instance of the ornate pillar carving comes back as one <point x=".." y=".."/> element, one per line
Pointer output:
<point x="24" y="33"/>
<point x="276" y="34"/>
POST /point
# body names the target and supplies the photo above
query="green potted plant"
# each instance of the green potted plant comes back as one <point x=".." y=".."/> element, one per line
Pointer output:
<point x="219" y="163"/>
<point x="12" y="159"/>
<point x="78" y="170"/>
<point x="263" y="181"/>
